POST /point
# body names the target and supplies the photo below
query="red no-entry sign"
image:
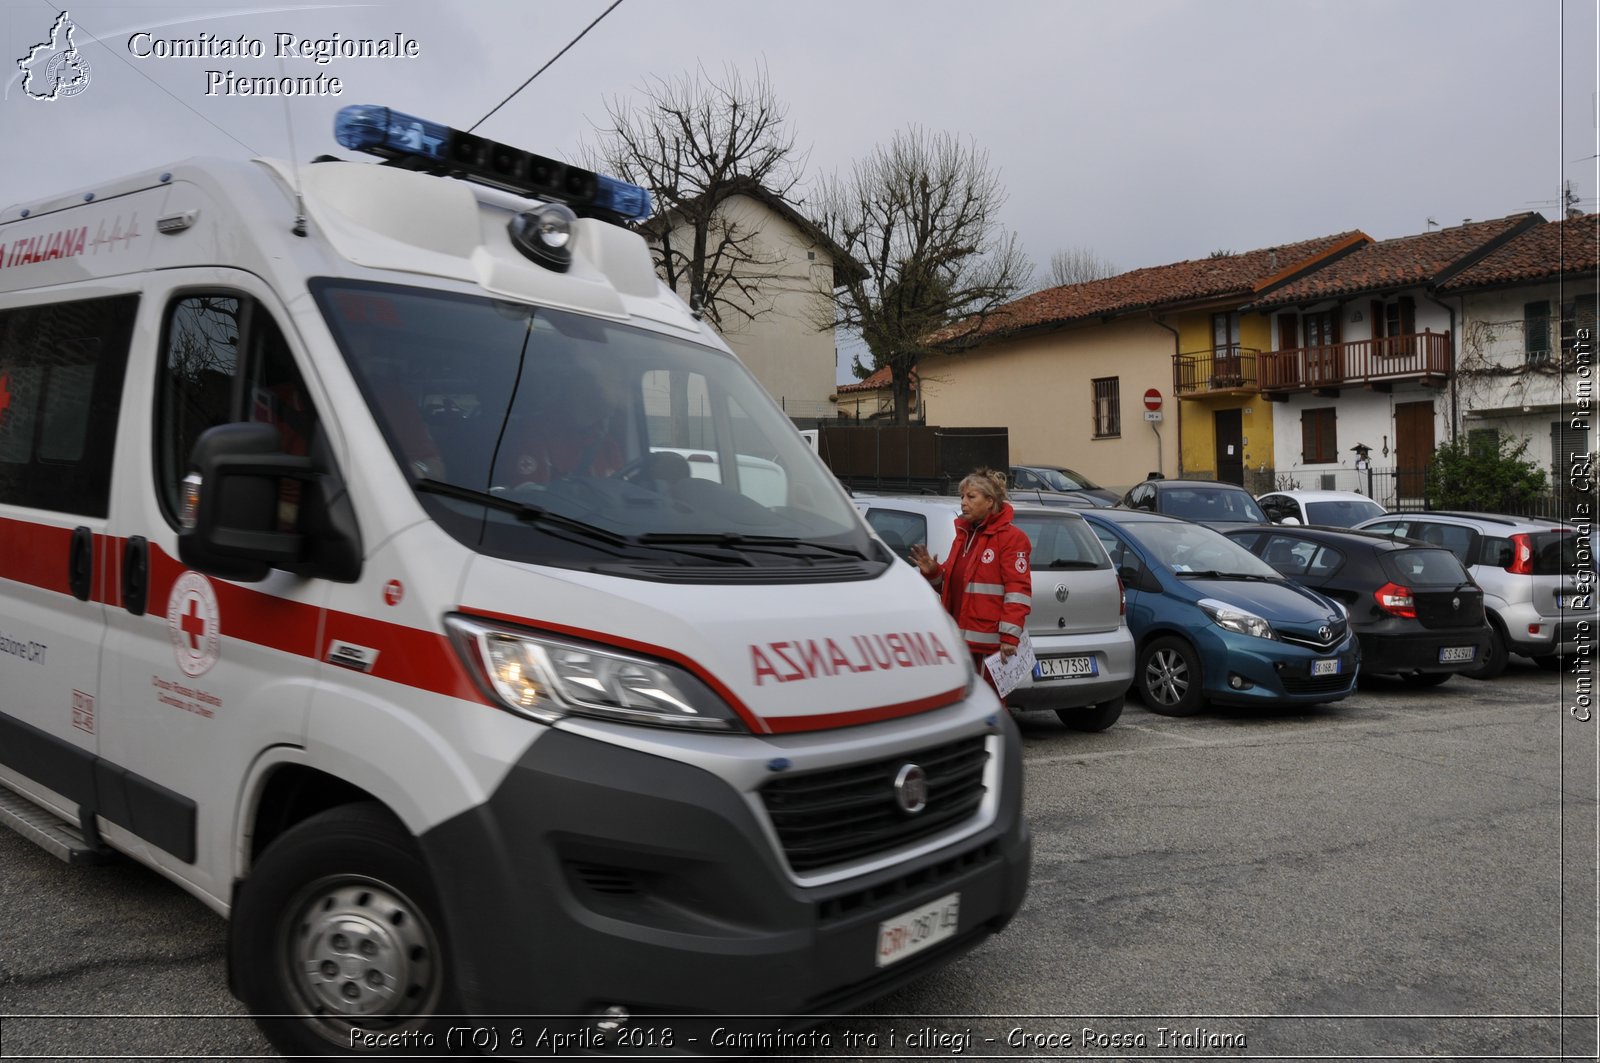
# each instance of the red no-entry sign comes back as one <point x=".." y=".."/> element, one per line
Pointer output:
<point x="1152" y="399"/>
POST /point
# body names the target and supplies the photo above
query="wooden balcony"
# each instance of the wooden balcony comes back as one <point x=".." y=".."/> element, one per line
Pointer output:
<point x="1215" y="371"/>
<point x="1422" y="358"/>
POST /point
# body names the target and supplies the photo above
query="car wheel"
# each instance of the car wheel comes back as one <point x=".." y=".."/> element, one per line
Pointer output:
<point x="338" y="929"/>
<point x="1494" y="662"/>
<point x="1425" y="679"/>
<point x="1093" y="717"/>
<point x="1169" y="678"/>
<point x="1550" y="662"/>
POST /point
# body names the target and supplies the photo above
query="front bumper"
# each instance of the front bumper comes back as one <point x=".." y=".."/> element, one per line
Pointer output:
<point x="1273" y="672"/>
<point x="601" y="876"/>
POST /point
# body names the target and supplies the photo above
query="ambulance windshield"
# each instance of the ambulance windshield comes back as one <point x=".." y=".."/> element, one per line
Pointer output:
<point x="561" y="439"/>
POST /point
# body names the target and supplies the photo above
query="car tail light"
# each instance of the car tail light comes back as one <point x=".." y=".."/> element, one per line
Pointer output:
<point x="1521" y="555"/>
<point x="1396" y="600"/>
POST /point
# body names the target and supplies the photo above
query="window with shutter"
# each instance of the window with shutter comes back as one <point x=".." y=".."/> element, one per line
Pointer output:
<point x="1318" y="437"/>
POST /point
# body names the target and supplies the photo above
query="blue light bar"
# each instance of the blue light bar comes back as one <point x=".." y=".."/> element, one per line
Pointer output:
<point x="404" y="140"/>
<point x="380" y="131"/>
<point x="621" y="198"/>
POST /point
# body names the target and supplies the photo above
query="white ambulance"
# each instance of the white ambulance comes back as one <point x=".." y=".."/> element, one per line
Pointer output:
<point x="353" y="576"/>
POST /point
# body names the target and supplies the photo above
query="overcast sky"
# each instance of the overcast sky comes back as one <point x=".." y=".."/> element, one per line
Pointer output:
<point x="1148" y="131"/>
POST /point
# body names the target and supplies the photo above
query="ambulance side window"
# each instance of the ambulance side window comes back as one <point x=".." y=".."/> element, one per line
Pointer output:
<point x="61" y="370"/>
<point x="204" y="384"/>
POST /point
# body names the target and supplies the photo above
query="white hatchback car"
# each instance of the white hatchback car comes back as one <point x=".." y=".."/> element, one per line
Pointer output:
<point x="1329" y="509"/>
<point x="1080" y="635"/>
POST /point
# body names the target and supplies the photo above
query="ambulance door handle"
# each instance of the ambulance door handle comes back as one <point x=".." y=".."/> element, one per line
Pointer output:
<point x="80" y="563"/>
<point x="136" y="574"/>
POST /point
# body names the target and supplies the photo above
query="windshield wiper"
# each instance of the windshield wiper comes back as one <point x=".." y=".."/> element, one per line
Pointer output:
<point x="1211" y="573"/>
<point x="776" y="544"/>
<point x="524" y="511"/>
<point x="1058" y="565"/>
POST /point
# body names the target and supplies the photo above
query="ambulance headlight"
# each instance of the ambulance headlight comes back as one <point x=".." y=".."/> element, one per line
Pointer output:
<point x="546" y="678"/>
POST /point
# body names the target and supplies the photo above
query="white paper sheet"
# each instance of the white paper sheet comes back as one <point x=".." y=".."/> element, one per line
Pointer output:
<point x="1009" y="672"/>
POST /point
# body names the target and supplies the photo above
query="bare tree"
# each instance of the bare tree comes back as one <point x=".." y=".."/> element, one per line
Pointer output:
<point x="1075" y="265"/>
<point x="695" y="142"/>
<point x="918" y="220"/>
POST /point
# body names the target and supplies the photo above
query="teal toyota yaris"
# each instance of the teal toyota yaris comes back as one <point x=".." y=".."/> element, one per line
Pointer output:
<point x="1213" y="623"/>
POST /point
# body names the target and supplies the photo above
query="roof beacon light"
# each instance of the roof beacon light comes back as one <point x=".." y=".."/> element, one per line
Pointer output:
<point x="416" y="144"/>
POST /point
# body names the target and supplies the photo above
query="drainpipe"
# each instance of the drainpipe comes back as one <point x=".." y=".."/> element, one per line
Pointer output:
<point x="1177" y="403"/>
<point x="1454" y="339"/>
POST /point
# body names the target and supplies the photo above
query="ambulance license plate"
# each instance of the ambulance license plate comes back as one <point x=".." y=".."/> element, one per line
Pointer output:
<point x="1065" y="667"/>
<point x="910" y="933"/>
<point x="1448" y="654"/>
<point x="1330" y="667"/>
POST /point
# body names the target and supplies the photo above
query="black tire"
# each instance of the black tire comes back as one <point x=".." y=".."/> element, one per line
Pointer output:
<point x="1092" y="718"/>
<point x="1495" y="661"/>
<point x="1170" y="679"/>
<point x="347" y="886"/>
<point x="1425" y="679"/>
<point x="1550" y="662"/>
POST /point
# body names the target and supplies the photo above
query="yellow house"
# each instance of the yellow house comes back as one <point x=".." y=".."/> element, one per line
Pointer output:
<point x="1067" y="369"/>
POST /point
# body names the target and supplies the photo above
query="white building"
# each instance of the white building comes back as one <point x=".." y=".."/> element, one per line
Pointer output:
<point x="1363" y="355"/>
<point x="1525" y="369"/>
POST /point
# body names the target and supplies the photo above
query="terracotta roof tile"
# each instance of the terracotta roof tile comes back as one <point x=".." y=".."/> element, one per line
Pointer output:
<point x="876" y="382"/>
<point x="1405" y="261"/>
<point x="1240" y="275"/>
<point x="1569" y="246"/>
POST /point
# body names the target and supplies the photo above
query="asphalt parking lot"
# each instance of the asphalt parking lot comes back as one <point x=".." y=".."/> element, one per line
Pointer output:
<point x="1405" y="873"/>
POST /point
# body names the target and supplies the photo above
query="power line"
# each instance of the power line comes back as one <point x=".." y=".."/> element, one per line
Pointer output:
<point x="542" y="69"/>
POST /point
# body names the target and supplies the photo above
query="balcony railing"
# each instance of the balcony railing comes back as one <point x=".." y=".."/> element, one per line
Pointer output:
<point x="1423" y="357"/>
<point x="1215" y="369"/>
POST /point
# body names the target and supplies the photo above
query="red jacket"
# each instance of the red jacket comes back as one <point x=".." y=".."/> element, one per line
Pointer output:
<point x="985" y="583"/>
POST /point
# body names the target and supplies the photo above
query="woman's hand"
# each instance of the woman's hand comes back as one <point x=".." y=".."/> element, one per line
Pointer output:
<point x="926" y="562"/>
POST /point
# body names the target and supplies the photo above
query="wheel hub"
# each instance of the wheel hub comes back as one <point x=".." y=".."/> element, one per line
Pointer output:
<point x="361" y="950"/>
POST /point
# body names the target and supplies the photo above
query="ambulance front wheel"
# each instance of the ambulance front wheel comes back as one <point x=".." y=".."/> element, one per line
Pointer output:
<point x="336" y="944"/>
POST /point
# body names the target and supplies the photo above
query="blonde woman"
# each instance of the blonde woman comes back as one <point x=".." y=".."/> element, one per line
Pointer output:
<point x="985" y="582"/>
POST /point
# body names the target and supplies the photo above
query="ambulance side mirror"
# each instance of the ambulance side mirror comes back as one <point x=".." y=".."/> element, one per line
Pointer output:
<point x="249" y="508"/>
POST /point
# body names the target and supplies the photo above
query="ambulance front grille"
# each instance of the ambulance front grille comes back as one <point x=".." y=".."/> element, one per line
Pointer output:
<point x="830" y="817"/>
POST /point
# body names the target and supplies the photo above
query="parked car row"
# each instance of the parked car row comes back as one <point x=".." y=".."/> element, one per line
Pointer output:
<point x="1216" y="610"/>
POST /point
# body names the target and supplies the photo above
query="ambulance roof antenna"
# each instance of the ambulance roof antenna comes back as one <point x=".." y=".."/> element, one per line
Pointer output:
<point x="299" y="227"/>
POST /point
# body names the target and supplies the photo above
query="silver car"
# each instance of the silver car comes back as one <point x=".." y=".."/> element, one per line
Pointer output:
<point x="1536" y="587"/>
<point x="1079" y="633"/>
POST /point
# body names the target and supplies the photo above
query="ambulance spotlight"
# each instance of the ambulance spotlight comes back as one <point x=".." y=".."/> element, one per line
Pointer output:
<point x="544" y="235"/>
<point x="417" y="144"/>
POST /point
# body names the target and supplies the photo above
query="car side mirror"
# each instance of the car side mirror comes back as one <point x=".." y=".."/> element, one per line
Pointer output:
<point x="249" y="508"/>
<point x="1293" y="521"/>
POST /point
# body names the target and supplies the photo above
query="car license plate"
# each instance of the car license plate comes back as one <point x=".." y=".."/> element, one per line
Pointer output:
<point x="1457" y="653"/>
<point x="1065" y="667"/>
<point x="910" y="933"/>
<point x="1330" y="667"/>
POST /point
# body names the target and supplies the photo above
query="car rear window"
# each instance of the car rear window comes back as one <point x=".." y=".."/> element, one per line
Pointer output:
<point x="1342" y="513"/>
<point x="1554" y="553"/>
<point x="1206" y="504"/>
<point x="1061" y="542"/>
<point x="1424" y="568"/>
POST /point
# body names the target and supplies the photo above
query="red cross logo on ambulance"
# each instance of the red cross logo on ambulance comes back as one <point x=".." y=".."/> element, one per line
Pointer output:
<point x="194" y="622"/>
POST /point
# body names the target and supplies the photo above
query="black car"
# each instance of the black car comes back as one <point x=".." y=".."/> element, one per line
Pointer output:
<point x="1415" y="610"/>
<point x="1209" y="502"/>
<point x="1059" y="480"/>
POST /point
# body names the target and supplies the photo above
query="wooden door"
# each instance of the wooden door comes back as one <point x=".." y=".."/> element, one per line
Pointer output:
<point x="1230" y="447"/>
<point x="1413" y="434"/>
